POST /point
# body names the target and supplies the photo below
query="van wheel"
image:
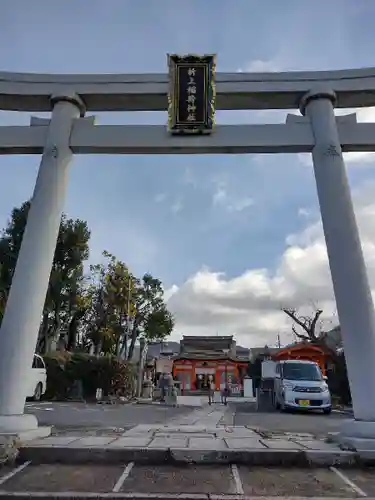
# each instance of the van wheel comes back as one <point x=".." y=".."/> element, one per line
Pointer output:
<point x="327" y="411"/>
<point x="38" y="392"/>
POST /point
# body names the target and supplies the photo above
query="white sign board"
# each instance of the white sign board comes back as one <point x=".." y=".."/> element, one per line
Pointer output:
<point x="268" y="369"/>
<point x="248" y="388"/>
<point x="164" y="365"/>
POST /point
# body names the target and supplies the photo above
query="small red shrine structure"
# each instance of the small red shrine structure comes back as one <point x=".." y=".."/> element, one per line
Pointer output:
<point x="306" y="351"/>
<point x="209" y="359"/>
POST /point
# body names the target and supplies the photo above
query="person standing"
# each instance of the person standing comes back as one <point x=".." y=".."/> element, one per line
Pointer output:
<point x="211" y="392"/>
<point x="224" y="395"/>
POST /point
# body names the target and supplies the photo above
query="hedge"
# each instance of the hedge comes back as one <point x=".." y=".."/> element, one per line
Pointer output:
<point x="64" y="369"/>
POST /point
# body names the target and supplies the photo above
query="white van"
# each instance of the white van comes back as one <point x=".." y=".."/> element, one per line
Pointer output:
<point x="300" y="384"/>
<point x="38" y="379"/>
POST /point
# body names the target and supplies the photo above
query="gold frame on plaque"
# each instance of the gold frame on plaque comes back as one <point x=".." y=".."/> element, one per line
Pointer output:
<point x="209" y="61"/>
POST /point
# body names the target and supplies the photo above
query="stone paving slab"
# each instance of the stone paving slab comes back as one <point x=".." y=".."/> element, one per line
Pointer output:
<point x="166" y="443"/>
<point x="237" y="432"/>
<point x="203" y="443"/>
<point x="317" y="445"/>
<point x="180" y="435"/>
<point x="244" y="443"/>
<point x="132" y="442"/>
<point x="55" y="441"/>
<point x="186" y="429"/>
<point x="92" y="441"/>
<point x="281" y="444"/>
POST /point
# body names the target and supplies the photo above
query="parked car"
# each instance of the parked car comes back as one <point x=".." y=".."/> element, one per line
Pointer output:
<point x="38" y="379"/>
<point x="300" y="384"/>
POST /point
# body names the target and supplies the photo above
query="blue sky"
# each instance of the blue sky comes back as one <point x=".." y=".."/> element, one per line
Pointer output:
<point x="174" y="215"/>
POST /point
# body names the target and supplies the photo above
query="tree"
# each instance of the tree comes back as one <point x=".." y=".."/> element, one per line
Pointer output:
<point x="66" y="278"/>
<point x="105" y="309"/>
<point x="10" y="243"/>
<point x="151" y="318"/>
<point x="118" y="292"/>
<point x="308" y="324"/>
<point x="108" y="313"/>
<point x="72" y="250"/>
<point x="124" y="308"/>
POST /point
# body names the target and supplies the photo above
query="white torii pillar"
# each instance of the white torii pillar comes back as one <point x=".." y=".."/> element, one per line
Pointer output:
<point x="349" y="276"/>
<point x="23" y="312"/>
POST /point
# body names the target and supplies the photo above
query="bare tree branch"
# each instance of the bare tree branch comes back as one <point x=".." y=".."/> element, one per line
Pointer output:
<point x="299" y="335"/>
<point x="307" y="323"/>
<point x="314" y="322"/>
<point x="293" y="315"/>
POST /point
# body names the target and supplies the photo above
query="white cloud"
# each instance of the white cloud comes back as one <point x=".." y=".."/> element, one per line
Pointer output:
<point x="228" y="201"/>
<point x="259" y="66"/>
<point x="159" y="198"/>
<point x="177" y="206"/>
<point x="248" y="305"/>
<point x="304" y="213"/>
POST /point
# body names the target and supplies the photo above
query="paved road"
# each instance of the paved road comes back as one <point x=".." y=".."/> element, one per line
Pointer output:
<point x="314" y="423"/>
<point x="103" y="417"/>
<point x="93" y="416"/>
<point x="201" y="481"/>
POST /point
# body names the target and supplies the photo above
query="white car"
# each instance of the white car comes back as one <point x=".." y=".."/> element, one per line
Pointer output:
<point x="38" y="379"/>
<point x="300" y="384"/>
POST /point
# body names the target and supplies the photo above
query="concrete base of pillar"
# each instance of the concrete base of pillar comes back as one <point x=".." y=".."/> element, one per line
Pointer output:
<point x="25" y="427"/>
<point x="358" y="435"/>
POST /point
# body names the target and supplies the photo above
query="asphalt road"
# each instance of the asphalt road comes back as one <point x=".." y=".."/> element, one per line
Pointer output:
<point x="194" y="481"/>
<point x="94" y="416"/>
<point x="90" y="417"/>
<point x="315" y="423"/>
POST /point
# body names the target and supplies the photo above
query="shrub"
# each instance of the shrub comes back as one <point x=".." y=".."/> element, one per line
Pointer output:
<point x="64" y="368"/>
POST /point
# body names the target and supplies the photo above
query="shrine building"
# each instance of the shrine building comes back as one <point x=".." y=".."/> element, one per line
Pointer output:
<point x="210" y="359"/>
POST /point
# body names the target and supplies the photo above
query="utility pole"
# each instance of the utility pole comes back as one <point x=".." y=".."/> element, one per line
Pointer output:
<point x="278" y="341"/>
<point x="129" y="312"/>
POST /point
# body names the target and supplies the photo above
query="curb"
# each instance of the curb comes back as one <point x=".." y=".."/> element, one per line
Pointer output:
<point x="25" y="495"/>
<point x="259" y="457"/>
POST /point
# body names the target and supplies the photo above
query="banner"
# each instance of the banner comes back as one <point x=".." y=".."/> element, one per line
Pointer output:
<point x="191" y="97"/>
<point x="164" y="366"/>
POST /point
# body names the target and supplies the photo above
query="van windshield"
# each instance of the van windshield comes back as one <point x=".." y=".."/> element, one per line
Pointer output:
<point x="301" y="371"/>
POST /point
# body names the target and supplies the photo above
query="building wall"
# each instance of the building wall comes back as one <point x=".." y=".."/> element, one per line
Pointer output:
<point x="187" y="372"/>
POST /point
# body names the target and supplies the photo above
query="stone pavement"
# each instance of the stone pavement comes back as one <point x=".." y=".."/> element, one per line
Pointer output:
<point x="196" y="437"/>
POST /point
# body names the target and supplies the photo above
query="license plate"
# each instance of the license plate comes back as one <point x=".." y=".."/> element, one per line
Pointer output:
<point x="304" y="402"/>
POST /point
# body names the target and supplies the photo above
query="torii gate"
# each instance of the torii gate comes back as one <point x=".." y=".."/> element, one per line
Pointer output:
<point x="68" y="132"/>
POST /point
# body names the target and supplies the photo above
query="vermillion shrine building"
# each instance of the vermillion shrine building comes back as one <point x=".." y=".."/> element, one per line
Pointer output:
<point x="209" y="359"/>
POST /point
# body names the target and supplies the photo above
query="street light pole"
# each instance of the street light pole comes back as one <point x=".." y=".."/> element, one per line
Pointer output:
<point x="226" y="352"/>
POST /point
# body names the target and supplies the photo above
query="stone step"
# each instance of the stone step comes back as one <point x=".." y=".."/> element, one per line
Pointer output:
<point x="204" y="452"/>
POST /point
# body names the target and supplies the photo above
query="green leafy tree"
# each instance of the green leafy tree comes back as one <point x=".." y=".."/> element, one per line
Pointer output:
<point x="10" y="243"/>
<point x="151" y="318"/>
<point x="108" y="309"/>
<point x="72" y="250"/>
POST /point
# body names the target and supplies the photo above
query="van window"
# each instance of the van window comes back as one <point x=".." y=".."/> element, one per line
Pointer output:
<point x="38" y="362"/>
<point x="301" y="371"/>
